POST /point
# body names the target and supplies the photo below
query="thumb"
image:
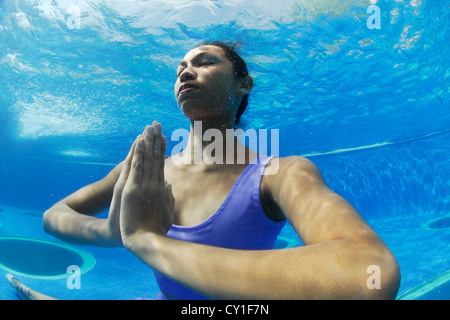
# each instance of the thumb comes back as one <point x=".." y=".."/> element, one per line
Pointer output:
<point x="126" y="165"/>
<point x="170" y="198"/>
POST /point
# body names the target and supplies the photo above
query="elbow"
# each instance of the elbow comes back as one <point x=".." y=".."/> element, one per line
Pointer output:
<point x="48" y="219"/>
<point x="383" y="277"/>
<point x="392" y="278"/>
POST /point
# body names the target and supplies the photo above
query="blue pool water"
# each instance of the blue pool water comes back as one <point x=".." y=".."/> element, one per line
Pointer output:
<point x="370" y="107"/>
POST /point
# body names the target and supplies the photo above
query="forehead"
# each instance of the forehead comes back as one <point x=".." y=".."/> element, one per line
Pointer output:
<point x="214" y="50"/>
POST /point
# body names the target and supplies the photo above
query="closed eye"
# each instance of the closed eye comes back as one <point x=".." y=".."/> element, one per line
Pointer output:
<point x="203" y="59"/>
<point x="205" y="62"/>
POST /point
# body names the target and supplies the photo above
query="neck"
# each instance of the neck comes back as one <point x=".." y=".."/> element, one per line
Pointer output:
<point x="214" y="143"/>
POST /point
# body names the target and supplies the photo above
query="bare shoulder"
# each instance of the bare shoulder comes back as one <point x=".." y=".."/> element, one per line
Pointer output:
<point x="286" y="181"/>
<point x="284" y="169"/>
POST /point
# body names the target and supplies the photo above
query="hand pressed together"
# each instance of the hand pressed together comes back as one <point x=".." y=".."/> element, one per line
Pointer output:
<point x="145" y="200"/>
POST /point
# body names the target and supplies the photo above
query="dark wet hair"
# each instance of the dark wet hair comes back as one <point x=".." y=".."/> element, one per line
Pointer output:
<point x="240" y="70"/>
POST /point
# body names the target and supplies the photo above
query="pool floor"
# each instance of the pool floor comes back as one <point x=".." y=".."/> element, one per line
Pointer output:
<point x="437" y="288"/>
<point x="423" y="254"/>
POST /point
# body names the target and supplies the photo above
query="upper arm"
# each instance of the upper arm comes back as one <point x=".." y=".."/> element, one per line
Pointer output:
<point x="322" y="219"/>
<point x="317" y="213"/>
<point x="94" y="197"/>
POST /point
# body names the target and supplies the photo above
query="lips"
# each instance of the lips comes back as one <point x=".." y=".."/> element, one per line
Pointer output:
<point x="186" y="88"/>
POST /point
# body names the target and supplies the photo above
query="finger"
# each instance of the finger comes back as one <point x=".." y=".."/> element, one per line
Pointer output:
<point x="160" y="151"/>
<point x="156" y="155"/>
<point x="170" y="197"/>
<point x="163" y="145"/>
<point x="148" y="159"/>
<point x="147" y="127"/>
<point x="157" y="126"/>
<point x="154" y="125"/>
<point x="126" y="164"/>
<point x="135" y="175"/>
<point x="170" y="203"/>
<point x="162" y="159"/>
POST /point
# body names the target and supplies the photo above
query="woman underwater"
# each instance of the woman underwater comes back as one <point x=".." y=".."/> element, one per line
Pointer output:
<point x="208" y="229"/>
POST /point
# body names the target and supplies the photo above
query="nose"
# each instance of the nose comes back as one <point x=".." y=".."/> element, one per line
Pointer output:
<point x="187" y="74"/>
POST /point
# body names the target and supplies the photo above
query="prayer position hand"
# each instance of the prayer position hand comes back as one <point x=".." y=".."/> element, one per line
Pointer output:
<point x="147" y="202"/>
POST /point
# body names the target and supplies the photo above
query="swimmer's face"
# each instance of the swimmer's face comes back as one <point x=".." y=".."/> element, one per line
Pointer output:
<point x="206" y="85"/>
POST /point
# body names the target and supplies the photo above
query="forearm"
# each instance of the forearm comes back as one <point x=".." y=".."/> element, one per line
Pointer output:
<point x="70" y="226"/>
<point x="323" y="271"/>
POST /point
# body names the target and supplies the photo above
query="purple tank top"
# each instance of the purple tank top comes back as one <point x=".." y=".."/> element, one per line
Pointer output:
<point x="239" y="223"/>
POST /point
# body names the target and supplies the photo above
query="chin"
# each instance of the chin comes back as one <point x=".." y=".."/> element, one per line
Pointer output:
<point x="191" y="111"/>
